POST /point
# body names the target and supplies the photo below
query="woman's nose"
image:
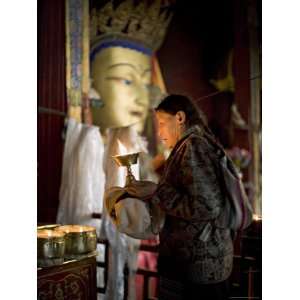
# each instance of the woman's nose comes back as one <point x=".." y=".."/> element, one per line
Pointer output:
<point x="159" y="133"/>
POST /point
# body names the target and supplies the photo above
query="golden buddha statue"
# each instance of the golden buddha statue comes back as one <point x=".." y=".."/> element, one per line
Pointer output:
<point x="121" y="76"/>
<point x="123" y="40"/>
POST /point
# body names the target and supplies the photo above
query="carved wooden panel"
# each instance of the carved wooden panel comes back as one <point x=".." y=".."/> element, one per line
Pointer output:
<point x="72" y="281"/>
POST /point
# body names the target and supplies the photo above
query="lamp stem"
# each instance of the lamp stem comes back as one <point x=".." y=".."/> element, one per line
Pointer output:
<point x="129" y="177"/>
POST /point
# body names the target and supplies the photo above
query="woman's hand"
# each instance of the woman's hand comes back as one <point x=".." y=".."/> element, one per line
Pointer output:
<point x="141" y="189"/>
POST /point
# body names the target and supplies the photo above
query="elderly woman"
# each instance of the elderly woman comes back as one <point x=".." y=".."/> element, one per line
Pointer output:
<point x="195" y="257"/>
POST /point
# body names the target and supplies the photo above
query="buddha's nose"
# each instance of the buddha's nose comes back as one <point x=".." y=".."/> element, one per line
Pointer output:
<point x="142" y="99"/>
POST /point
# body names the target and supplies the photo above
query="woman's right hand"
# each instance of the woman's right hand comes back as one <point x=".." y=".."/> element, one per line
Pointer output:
<point x="141" y="189"/>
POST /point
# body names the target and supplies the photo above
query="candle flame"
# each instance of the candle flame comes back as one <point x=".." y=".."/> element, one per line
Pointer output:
<point x="257" y="217"/>
<point x="122" y="148"/>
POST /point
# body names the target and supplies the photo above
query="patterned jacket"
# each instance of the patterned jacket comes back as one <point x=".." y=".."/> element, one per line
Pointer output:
<point x="191" y="247"/>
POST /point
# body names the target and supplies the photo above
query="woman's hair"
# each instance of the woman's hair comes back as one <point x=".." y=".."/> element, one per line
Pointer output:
<point x="175" y="103"/>
<point x="194" y="116"/>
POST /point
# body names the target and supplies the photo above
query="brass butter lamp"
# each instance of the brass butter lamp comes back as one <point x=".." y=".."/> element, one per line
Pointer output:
<point x="127" y="161"/>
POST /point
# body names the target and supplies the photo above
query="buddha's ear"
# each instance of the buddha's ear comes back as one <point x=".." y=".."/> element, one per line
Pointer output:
<point x="181" y="117"/>
<point x="95" y="98"/>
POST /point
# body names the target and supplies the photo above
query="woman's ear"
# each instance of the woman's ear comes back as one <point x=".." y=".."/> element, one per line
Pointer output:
<point x="181" y="117"/>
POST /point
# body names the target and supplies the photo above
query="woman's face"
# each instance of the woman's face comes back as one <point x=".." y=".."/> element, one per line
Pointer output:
<point x="121" y="76"/>
<point x="170" y="128"/>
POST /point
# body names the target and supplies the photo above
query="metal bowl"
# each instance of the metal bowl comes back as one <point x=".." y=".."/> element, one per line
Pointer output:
<point x="50" y="247"/>
<point x="80" y="239"/>
<point x="126" y="160"/>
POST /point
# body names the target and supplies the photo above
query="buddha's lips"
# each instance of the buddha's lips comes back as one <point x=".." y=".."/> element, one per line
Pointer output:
<point x="136" y="113"/>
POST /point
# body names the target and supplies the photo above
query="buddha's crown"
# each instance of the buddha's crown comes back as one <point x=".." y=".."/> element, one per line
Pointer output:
<point x="143" y="24"/>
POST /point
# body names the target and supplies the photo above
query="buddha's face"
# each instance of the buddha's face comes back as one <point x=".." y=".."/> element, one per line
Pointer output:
<point x="121" y="76"/>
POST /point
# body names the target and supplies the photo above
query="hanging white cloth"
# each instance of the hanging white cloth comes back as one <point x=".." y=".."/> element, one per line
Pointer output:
<point x="83" y="179"/>
<point x="82" y="191"/>
<point x="123" y="248"/>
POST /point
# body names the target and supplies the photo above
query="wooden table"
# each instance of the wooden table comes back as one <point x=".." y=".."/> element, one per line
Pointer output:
<point x="73" y="280"/>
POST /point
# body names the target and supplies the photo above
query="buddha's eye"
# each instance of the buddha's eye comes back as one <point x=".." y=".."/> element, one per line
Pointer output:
<point x="120" y="79"/>
<point x="127" y="82"/>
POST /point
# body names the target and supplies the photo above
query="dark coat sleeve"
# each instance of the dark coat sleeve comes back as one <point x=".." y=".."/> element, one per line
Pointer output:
<point x="190" y="189"/>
